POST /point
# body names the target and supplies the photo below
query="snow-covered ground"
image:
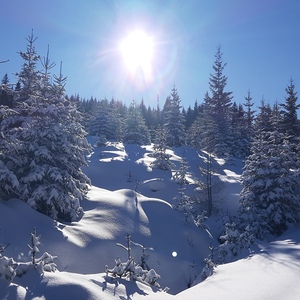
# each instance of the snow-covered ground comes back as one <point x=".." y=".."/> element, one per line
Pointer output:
<point x="128" y="197"/>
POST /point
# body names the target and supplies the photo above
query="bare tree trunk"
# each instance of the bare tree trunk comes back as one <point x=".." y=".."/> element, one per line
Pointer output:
<point x="209" y="185"/>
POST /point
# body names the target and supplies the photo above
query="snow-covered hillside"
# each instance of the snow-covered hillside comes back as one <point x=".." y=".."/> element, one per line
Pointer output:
<point x="128" y="197"/>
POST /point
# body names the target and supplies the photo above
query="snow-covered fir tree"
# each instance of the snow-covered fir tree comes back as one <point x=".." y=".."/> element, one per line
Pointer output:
<point x="8" y="151"/>
<point x="135" y="130"/>
<point x="269" y="201"/>
<point x="6" y="265"/>
<point x="180" y="176"/>
<point x="162" y="159"/>
<point x="130" y="269"/>
<point x="194" y="133"/>
<point x="184" y="203"/>
<point x="102" y="124"/>
<point x="174" y="120"/>
<point x="198" y="207"/>
<point x="229" y="243"/>
<point x="52" y="143"/>
<point x="7" y="268"/>
<point x="43" y="263"/>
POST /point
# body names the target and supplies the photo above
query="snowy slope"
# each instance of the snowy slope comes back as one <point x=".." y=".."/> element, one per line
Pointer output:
<point x="113" y="209"/>
<point x="274" y="273"/>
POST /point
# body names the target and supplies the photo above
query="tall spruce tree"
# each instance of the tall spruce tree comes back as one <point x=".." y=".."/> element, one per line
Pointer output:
<point x="218" y="105"/>
<point x="249" y="117"/>
<point x="290" y="124"/>
<point x="174" y="120"/>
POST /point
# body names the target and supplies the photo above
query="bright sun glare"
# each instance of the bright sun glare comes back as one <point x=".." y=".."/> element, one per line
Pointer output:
<point x="137" y="51"/>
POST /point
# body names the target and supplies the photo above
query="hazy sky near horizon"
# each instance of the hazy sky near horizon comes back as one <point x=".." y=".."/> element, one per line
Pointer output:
<point x="260" y="41"/>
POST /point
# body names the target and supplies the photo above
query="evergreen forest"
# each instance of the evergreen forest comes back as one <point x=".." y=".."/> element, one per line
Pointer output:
<point x="43" y="144"/>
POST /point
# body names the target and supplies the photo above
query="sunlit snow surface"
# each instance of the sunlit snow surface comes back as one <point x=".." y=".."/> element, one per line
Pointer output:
<point x="127" y="196"/>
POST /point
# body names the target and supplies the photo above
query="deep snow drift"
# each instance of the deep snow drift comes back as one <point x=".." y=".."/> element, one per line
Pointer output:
<point x="127" y="196"/>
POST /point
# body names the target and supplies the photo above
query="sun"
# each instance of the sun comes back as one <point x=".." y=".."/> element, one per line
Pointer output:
<point x="137" y="51"/>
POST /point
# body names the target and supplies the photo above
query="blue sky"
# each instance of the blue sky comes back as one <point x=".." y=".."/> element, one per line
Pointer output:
<point x="260" y="40"/>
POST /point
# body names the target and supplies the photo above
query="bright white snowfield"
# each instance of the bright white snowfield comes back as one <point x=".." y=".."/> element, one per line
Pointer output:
<point x="113" y="209"/>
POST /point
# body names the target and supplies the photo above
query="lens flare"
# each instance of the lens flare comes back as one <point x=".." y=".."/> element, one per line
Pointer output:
<point x="137" y="52"/>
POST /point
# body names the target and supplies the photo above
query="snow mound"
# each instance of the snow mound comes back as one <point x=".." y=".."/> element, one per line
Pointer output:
<point x="86" y="247"/>
<point x="155" y="184"/>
